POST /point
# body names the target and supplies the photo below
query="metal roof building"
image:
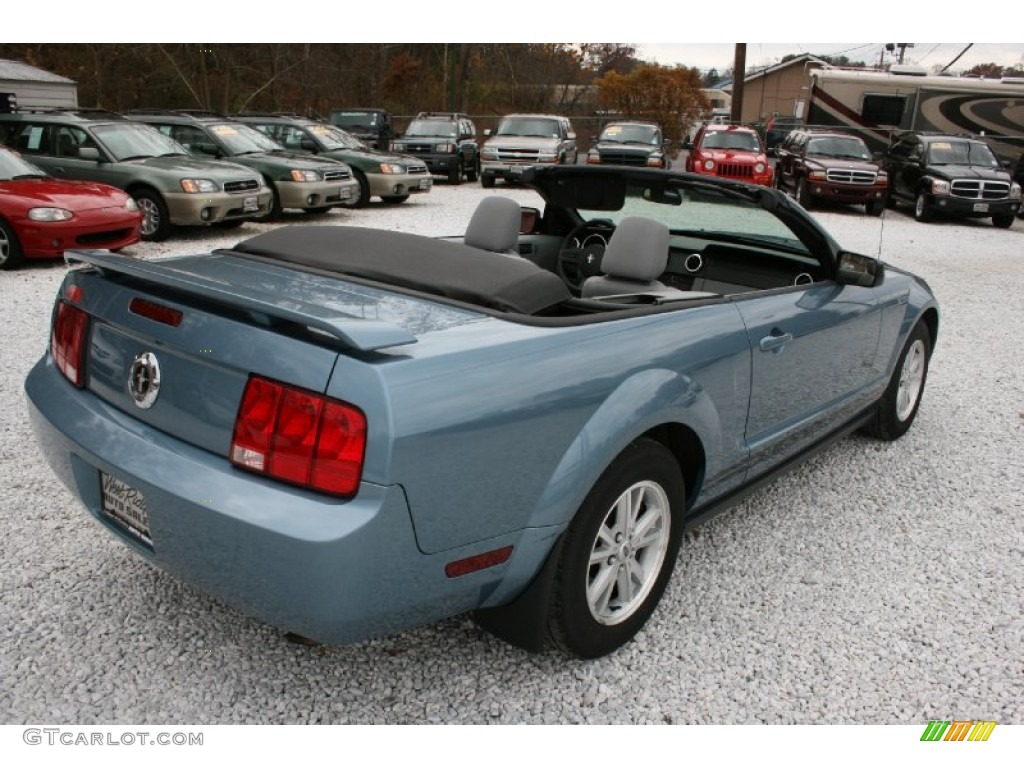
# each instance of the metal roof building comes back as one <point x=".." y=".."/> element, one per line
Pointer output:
<point x="23" y="85"/>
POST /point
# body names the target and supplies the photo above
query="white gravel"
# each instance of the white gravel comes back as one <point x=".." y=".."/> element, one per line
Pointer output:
<point x="880" y="583"/>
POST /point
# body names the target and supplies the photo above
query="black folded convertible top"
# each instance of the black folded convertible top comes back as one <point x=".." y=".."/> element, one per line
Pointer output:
<point x="436" y="267"/>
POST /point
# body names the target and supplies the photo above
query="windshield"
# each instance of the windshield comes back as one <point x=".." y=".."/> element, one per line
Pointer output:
<point x="731" y="140"/>
<point x="529" y="126"/>
<point x="703" y="211"/>
<point x="239" y="139"/>
<point x="631" y="134"/>
<point x="355" y="120"/>
<point x="332" y="137"/>
<point x="839" y="146"/>
<point x="445" y="128"/>
<point x="961" y="153"/>
<point x="130" y="141"/>
<point x="14" y="166"/>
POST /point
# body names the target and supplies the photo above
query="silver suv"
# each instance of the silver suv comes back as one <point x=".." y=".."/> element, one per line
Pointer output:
<point x="525" y="140"/>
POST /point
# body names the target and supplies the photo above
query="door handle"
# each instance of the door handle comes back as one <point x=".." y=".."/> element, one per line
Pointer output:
<point x="775" y="341"/>
<point x="59" y="169"/>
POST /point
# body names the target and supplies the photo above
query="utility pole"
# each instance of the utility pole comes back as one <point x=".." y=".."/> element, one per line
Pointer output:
<point x="739" y="66"/>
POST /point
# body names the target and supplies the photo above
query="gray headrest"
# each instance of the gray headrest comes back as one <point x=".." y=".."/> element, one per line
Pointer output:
<point x="637" y="250"/>
<point x="495" y="225"/>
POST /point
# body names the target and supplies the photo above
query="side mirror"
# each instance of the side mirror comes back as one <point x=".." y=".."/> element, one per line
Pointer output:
<point x="856" y="269"/>
<point x="487" y="131"/>
<point x="529" y="219"/>
<point x="571" y="135"/>
<point x="89" y="153"/>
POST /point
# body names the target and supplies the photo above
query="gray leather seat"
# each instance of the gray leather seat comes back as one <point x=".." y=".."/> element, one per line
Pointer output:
<point x="636" y="255"/>
<point x="495" y="226"/>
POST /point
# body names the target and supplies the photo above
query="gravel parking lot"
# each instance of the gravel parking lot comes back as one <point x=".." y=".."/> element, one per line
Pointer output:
<point x="879" y="584"/>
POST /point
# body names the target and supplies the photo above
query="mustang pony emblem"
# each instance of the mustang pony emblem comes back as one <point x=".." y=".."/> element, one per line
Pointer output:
<point x="144" y="379"/>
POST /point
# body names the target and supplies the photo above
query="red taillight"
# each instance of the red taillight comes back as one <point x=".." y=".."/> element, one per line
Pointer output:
<point x="67" y="342"/>
<point x="300" y="437"/>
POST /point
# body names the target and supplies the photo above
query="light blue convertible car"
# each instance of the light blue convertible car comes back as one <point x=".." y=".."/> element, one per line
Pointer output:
<point x="346" y="432"/>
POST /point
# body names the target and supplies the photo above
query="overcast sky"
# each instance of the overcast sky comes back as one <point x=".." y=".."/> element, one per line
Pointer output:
<point x="720" y="55"/>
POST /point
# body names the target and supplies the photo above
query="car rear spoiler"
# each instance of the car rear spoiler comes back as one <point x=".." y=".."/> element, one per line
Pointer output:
<point x="362" y="335"/>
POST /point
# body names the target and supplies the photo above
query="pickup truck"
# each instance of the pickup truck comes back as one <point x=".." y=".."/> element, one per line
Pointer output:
<point x="347" y="432"/>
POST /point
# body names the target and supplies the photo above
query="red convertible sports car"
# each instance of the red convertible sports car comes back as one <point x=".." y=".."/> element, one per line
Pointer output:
<point x="41" y="217"/>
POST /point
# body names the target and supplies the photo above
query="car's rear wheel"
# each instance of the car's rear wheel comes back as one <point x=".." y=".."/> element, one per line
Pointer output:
<point x="156" y="221"/>
<point x="803" y="194"/>
<point x="899" y="404"/>
<point x="618" y="552"/>
<point x="875" y="208"/>
<point x="1003" y="221"/>
<point x="11" y="255"/>
<point x="921" y="210"/>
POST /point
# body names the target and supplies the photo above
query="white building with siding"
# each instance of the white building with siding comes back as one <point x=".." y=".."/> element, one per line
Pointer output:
<point x="33" y="87"/>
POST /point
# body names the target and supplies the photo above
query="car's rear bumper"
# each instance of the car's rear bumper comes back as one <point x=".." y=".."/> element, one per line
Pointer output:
<point x="334" y="570"/>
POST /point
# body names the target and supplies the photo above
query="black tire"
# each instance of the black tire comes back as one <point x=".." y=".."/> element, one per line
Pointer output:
<point x="922" y="212"/>
<point x="364" y="190"/>
<point x="318" y="209"/>
<point x="486" y="181"/>
<point x="229" y="224"/>
<point x="11" y="255"/>
<point x="156" y="221"/>
<point x="393" y="199"/>
<point x="474" y="170"/>
<point x="589" y="624"/>
<point x="1003" y="220"/>
<point x="898" y="406"/>
<point x="455" y="174"/>
<point x="803" y="195"/>
<point x="890" y="201"/>
<point x="274" y="211"/>
<point x="875" y="208"/>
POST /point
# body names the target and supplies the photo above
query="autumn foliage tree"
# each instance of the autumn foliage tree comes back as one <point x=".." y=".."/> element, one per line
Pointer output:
<point x="670" y="96"/>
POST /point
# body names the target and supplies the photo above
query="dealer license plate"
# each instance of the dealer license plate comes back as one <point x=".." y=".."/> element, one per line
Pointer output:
<point x="981" y="207"/>
<point x="126" y="505"/>
<point x="250" y="204"/>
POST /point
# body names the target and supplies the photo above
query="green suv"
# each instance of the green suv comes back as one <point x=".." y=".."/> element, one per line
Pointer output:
<point x="386" y="175"/>
<point x="446" y="141"/>
<point x="297" y="181"/>
<point x="169" y="186"/>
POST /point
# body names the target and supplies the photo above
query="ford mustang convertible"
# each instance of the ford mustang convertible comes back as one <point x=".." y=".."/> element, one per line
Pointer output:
<point x="346" y="432"/>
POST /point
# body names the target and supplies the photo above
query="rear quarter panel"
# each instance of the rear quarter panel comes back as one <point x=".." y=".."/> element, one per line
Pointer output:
<point x="499" y="427"/>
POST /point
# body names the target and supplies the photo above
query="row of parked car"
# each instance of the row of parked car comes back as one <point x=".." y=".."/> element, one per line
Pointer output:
<point x="178" y="168"/>
<point x="937" y="174"/>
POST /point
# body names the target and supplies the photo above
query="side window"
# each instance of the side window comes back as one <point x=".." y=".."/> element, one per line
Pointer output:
<point x="31" y="139"/>
<point x="883" y="109"/>
<point x="69" y="140"/>
<point x="193" y="139"/>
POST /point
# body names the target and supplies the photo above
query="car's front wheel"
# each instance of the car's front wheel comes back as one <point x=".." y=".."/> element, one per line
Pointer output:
<point x="1003" y="221"/>
<point x="921" y="210"/>
<point x="619" y="552"/>
<point x="486" y="181"/>
<point x="11" y="254"/>
<point x="899" y="404"/>
<point x="156" y="221"/>
<point x="393" y="199"/>
<point x="474" y="170"/>
<point x="876" y="207"/>
<point x="803" y="194"/>
<point x="455" y="174"/>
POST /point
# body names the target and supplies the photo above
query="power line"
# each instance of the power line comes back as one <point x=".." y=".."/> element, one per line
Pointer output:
<point x="954" y="61"/>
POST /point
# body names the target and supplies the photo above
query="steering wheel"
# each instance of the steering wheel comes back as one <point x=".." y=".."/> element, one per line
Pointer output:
<point x="581" y="252"/>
